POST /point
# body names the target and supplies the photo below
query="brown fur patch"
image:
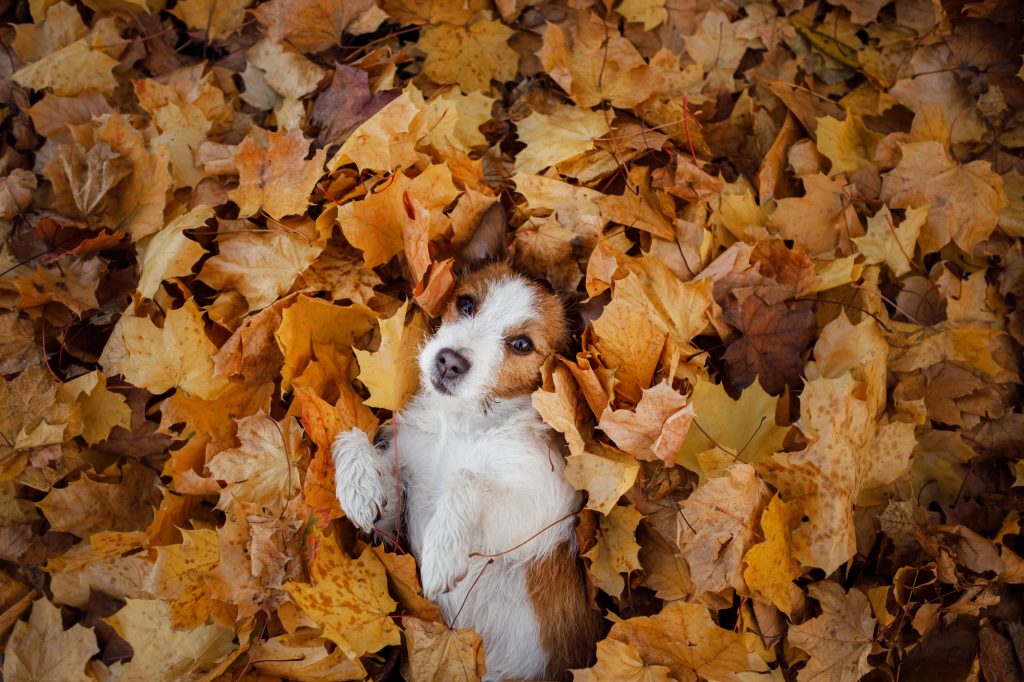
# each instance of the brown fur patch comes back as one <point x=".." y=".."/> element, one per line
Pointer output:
<point x="519" y="374"/>
<point x="568" y="626"/>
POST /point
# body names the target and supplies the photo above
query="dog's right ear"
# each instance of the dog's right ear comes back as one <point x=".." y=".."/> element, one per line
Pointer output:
<point x="489" y="241"/>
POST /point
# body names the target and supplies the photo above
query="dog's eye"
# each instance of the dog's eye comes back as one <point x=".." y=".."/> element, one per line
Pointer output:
<point x="521" y="345"/>
<point x="465" y="304"/>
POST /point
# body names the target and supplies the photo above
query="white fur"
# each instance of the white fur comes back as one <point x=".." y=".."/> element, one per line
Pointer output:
<point x="479" y="476"/>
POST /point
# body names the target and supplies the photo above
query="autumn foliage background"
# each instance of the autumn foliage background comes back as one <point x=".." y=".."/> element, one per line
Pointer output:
<point x="793" y="230"/>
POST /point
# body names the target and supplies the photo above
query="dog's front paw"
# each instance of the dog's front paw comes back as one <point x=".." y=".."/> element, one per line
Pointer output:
<point x="357" y="478"/>
<point x="443" y="564"/>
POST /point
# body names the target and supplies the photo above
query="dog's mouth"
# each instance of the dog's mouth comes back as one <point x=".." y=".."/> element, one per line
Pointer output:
<point x="445" y="385"/>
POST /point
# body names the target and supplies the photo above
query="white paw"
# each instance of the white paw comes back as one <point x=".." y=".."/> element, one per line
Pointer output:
<point x="444" y="562"/>
<point x="357" y="478"/>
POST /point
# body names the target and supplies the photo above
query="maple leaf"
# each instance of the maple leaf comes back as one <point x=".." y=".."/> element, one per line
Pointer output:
<point x="311" y="322"/>
<point x="348" y="598"/>
<point x="619" y="661"/>
<point x="346" y="104"/>
<point x="119" y="506"/>
<point x="840" y="639"/>
<point x="163" y="651"/>
<point x="656" y="429"/>
<point x="437" y="653"/>
<point x="821" y="220"/>
<point x="388" y="139"/>
<point x="859" y="348"/>
<point x="616" y="550"/>
<point x="179" y="575"/>
<point x="260" y="265"/>
<point x="606" y="476"/>
<point x="16" y="192"/>
<point x="963" y="200"/>
<point x="142" y="196"/>
<point x="73" y="283"/>
<point x="848" y="144"/>
<point x="376" y="225"/>
<point x="219" y="18"/>
<point x="470" y="56"/>
<point x="170" y="253"/>
<point x="262" y="469"/>
<point x="305" y="657"/>
<point x="718" y="527"/>
<point x="315" y="25"/>
<point x="41" y="649"/>
<point x="177" y="355"/>
<point x="889" y="244"/>
<point x="772" y="345"/>
<point x="562" y="134"/>
<point x="683" y="638"/>
<point x="391" y="373"/>
<point x="560" y="405"/>
<point x="276" y="179"/>
<point x="743" y="430"/>
<point x="770" y="567"/>
<point x="592" y="62"/>
<point x="848" y="455"/>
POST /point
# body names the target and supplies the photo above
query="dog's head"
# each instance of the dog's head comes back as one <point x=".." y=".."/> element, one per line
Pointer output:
<point x="497" y="329"/>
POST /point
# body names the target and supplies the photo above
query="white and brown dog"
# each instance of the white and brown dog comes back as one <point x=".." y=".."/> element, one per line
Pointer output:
<point x="481" y="475"/>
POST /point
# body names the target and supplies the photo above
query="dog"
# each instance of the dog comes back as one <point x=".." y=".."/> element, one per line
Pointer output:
<point x="477" y="475"/>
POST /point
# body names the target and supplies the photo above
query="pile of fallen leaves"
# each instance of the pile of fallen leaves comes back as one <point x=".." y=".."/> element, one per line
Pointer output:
<point x="793" y="232"/>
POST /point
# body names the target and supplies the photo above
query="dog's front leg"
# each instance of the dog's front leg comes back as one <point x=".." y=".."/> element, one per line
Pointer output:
<point x="444" y="560"/>
<point x="365" y="481"/>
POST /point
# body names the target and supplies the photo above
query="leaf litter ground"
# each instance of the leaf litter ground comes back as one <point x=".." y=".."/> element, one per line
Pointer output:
<point x="792" y="229"/>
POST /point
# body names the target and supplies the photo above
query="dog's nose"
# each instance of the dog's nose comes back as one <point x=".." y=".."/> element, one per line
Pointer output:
<point x="451" y="362"/>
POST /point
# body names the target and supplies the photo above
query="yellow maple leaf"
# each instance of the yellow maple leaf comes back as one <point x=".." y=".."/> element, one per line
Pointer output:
<point x="684" y="639"/>
<point x="606" y="475"/>
<point x="470" y="55"/>
<point x="437" y="652"/>
<point x="377" y="224"/>
<point x="101" y="409"/>
<point x="219" y="18"/>
<point x="616" y="551"/>
<point x="348" y="598"/>
<point x="261" y="470"/>
<point x="656" y="429"/>
<point x="861" y="348"/>
<point x="391" y="373"/>
<point x="162" y="651"/>
<point x="821" y="220"/>
<point x="312" y="321"/>
<point x="723" y="507"/>
<point x="549" y="138"/>
<point x="316" y="25"/>
<point x="41" y="649"/>
<point x="889" y="244"/>
<point x="277" y="179"/>
<point x="840" y="639"/>
<point x="848" y="144"/>
<point x="560" y="405"/>
<point x="619" y="661"/>
<point x="770" y="567"/>
<point x="848" y="455"/>
<point x="138" y="207"/>
<point x="964" y="199"/>
<point x="261" y="265"/>
<point x="157" y="359"/>
<point x="169" y="253"/>
<point x="743" y="429"/>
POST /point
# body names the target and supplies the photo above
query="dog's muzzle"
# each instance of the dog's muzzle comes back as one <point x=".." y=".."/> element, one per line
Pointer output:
<point x="450" y="367"/>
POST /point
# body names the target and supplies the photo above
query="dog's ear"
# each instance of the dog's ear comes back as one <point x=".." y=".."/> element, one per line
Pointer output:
<point x="489" y="241"/>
